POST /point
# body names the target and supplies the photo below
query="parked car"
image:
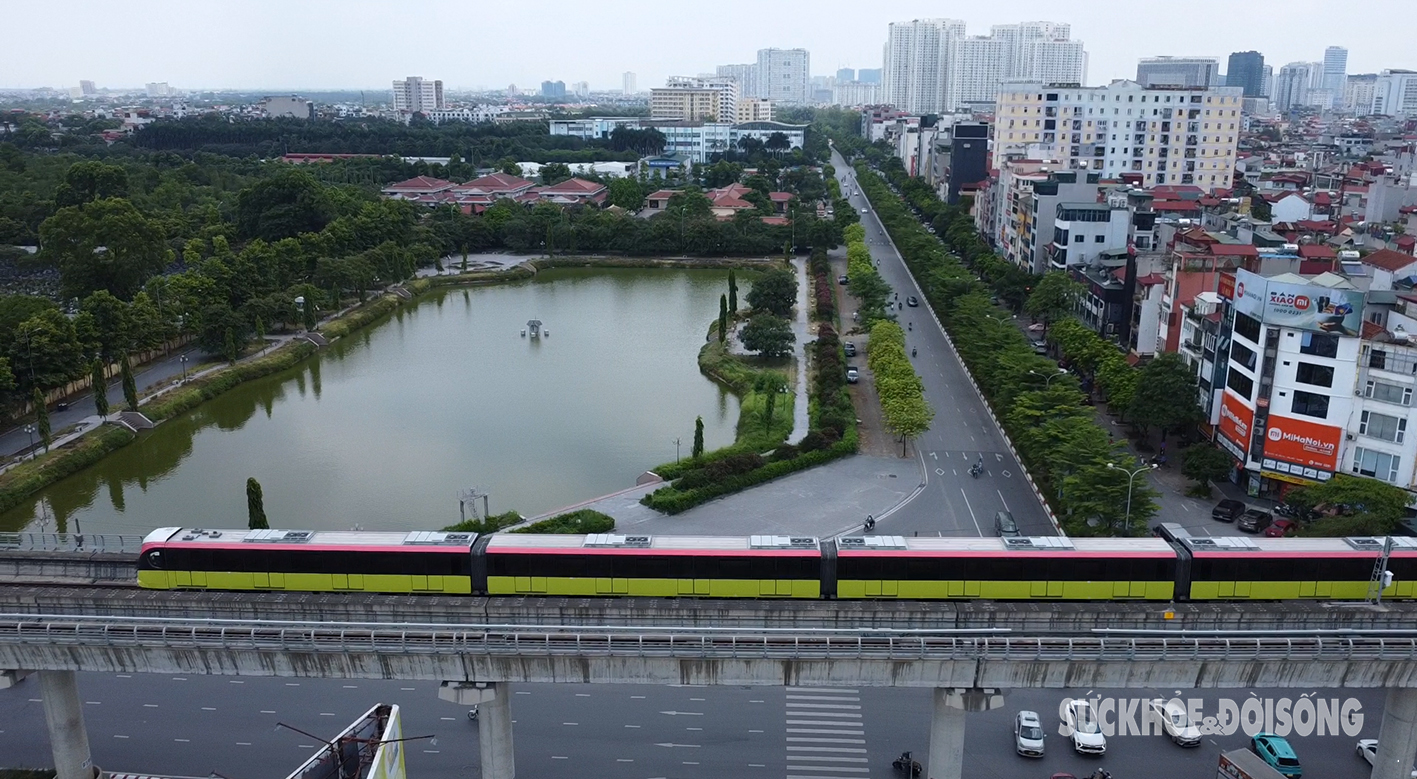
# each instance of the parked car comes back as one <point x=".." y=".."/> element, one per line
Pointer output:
<point x="843" y="279"/>
<point x="1005" y="526"/>
<point x="1276" y="751"/>
<point x="1281" y="528"/>
<point x="1228" y="510"/>
<point x="1040" y="346"/>
<point x="1254" y="521"/>
<point x="1087" y="733"/>
<point x="1368" y="749"/>
<point x="850" y="349"/>
<point x="1028" y="734"/>
<point x="911" y="301"/>
<point x="852" y="376"/>
<point x="1176" y="723"/>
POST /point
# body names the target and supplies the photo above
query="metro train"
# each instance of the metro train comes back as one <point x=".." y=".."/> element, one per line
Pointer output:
<point x="1170" y="568"/>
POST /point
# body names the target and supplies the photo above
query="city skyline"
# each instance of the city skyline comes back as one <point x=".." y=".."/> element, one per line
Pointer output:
<point x="353" y="50"/>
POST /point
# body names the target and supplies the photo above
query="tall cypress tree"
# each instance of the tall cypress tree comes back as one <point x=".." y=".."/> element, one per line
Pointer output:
<point x="732" y="293"/>
<point x="130" y="387"/>
<point x="100" y="388"/>
<point x="255" y="506"/>
<point x="722" y="318"/>
<point x="698" y="450"/>
<point x="41" y="418"/>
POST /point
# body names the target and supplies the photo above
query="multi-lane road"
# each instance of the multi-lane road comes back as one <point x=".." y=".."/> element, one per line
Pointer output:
<point x="952" y="503"/>
<point x="194" y="725"/>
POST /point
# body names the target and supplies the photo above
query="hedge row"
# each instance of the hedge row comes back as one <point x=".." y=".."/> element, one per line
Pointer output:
<point x="672" y="501"/>
<point x="579" y="522"/>
<point x="25" y="479"/>
<point x="200" y="390"/>
<point x="490" y="525"/>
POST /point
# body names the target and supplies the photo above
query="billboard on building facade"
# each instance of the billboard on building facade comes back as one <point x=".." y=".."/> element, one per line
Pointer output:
<point x="1308" y="445"/>
<point x="1300" y="306"/>
<point x="1236" y="420"/>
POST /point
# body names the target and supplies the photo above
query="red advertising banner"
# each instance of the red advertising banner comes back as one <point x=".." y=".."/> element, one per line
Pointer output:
<point x="1309" y="444"/>
<point x="1226" y="286"/>
<point x="1236" y="420"/>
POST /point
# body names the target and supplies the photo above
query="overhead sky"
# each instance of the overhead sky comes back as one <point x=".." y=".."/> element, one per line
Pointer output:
<point x="365" y="44"/>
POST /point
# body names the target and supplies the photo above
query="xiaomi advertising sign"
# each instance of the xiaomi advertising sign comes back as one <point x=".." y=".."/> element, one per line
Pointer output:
<point x="1301" y="306"/>
<point x="1306" y="444"/>
<point x="1236" y="420"/>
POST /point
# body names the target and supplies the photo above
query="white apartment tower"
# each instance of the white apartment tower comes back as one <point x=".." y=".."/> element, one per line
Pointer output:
<point x="932" y="66"/>
<point x="627" y="83"/>
<point x="1335" y="72"/>
<point x="746" y="75"/>
<point x="1395" y="93"/>
<point x="1164" y="136"/>
<point x="726" y="87"/>
<point x="414" y="95"/>
<point x="1292" y="86"/>
<point x="784" y="75"/>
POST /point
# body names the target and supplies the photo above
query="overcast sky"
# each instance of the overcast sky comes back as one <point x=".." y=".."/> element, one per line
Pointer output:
<point x="353" y="44"/>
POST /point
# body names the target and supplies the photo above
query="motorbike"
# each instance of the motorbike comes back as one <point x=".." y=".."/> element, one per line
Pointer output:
<point x="472" y="713"/>
<point x="870" y="523"/>
<point x="904" y="763"/>
<point x="912" y="351"/>
<point x="975" y="470"/>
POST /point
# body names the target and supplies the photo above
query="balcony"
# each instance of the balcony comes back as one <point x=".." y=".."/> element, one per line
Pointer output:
<point x="1190" y="140"/>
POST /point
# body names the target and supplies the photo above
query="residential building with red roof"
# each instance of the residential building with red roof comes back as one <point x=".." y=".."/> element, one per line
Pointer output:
<point x="412" y="189"/>
<point x="573" y="191"/>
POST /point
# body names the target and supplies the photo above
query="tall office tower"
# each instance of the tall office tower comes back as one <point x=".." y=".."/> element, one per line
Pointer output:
<point x="784" y="75"/>
<point x="1292" y="86"/>
<point x="1395" y="93"/>
<point x="1268" y="81"/>
<point x="1246" y="70"/>
<point x="627" y="83"/>
<point x="746" y="75"/>
<point x="844" y="75"/>
<point x="869" y="75"/>
<point x="917" y="64"/>
<point x="1178" y="72"/>
<point x="416" y="95"/>
<point x="1335" y="69"/>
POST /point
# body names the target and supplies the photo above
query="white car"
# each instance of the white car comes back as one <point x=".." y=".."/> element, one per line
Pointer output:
<point x="1368" y="750"/>
<point x="1087" y="733"/>
<point x="1178" y="726"/>
<point x="1028" y="734"/>
<point x="865" y="210"/>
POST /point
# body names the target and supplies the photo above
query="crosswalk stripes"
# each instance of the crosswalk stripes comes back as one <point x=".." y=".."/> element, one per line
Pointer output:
<point x="826" y="735"/>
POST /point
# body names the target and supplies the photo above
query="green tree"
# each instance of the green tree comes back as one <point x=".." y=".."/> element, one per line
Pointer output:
<point x="283" y="206"/>
<point x="41" y="417"/>
<point x="1054" y="298"/>
<point x="509" y="166"/>
<point x="768" y="335"/>
<point x="100" y="388"/>
<point x="47" y="351"/>
<point x="1165" y="395"/>
<point x="555" y="173"/>
<point x="626" y="193"/>
<point x="105" y="244"/>
<point x="1260" y="208"/>
<point x="1204" y="463"/>
<point x="722" y="318"/>
<point x="907" y="415"/>
<point x="130" y="386"/>
<point x="769" y="384"/>
<point x="90" y="180"/>
<point x="732" y="293"/>
<point x="698" y="450"/>
<point x="1365" y="506"/>
<point x="112" y="323"/>
<point x="775" y="292"/>
<point x="1096" y="501"/>
<point x="228" y="347"/>
<point x="255" y="506"/>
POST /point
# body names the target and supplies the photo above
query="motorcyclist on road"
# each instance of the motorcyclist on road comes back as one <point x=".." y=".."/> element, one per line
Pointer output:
<point x="912" y="351"/>
<point x="870" y="523"/>
<point x="909" y="325"/>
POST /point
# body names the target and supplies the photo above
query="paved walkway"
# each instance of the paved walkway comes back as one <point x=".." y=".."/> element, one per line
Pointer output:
<point x="802" y="329"/>
<point x="823" y="501"/>
<point x="452" y="264"/>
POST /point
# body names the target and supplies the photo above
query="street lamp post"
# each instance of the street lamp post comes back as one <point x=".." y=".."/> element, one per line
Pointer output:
<point x="1047" y="379"/>
<point x="183" y="359"/>
<point x="1126" y="528"/>
<point x="30" y="429"/>
<point x="300" y="310"/>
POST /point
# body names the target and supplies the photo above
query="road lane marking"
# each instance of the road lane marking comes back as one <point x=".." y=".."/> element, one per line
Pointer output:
<point x="823" y="706"/>
<point x="522" y="692"/>
<point x="118" y="736"/>
<point x="243" y="743"/>
<point x="150" y="705"/>
<point x="1001" y="499"/>
<point x="829" y="690"/>
<point x="972" y="518"/>
<point x="585" y="695"/>
<point x="755" y="731"/>
<point x="624" y="760"/>
<point x="92" y="703"/>
<point x="559" y="757"/>
<point x="234" y="681"/>
<point x="183" y="740"/>
<point x="632" y="726"/>
<point x="570" y="723"/>
<point x="824" y="714"/>
<point x="831" y="732"/>
<point x="843" y="769"/>
<point x="263" y="711"/>
<point x="208" y="708"/>
<point x="351" y="686"/>
<point x="833" y="723"/>
<point x="292" y="684"/>
<point x="641" y="697"/>
<point x="805" y="740"/>
<point x="449" y="719"/>
<point x="819" y="698"/>
<point x="832" y="758"/>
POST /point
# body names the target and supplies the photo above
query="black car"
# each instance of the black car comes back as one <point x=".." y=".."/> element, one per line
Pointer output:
<point x="843" y="279"/>
<point x="1254" y="521"/>
<point x="1228" y="510"/>
<point x="850" y="349"/>
<point x="912" y="302"/>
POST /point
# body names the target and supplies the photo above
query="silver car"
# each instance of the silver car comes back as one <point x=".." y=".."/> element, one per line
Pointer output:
<point x="1028" y="734"/>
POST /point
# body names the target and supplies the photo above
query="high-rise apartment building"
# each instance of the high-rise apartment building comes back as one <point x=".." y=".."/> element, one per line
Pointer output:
<point x="1358" y="93"/>
<point x="752" y="109"/>
<point x="1335" y="74"/>
<point x="1395" y="93"/>
<point x="158" y="89"/>
<point x="581" y="88"/>
<point x="726" y="89"/>
<point x="414" y="95"/>
<point x="1190" y="72"/>
<point x="1161" y="135"/>
<point x="746" y="75"/>
<point x="553" y="89"/>
<point x="1292" y="86"/>
<point x="1246" y="69"/>
<point x="856" y="93"/>
<point x="784" y="75"/>
<point x="628" y="84"/>
<point x="689" y="103"/>
<point x="845" y="74"/>
<point x="869" y="75"/>
<point x="932" y="66"/>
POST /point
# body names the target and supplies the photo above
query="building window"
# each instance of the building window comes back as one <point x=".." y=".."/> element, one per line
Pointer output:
<point x="1247" y="326"/>
<point x="1243" y="385"/>
<point x="1310" y="404"/>
<point x="1382" y="426"/>
<point x="1317" y="344"/>
<point x="1317" y="375"/>
<point x="1242" y="355"/>
<point x="1378" y="465"/>
<point x="1100" y="239"/>
<point x="1388" y="393"/>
